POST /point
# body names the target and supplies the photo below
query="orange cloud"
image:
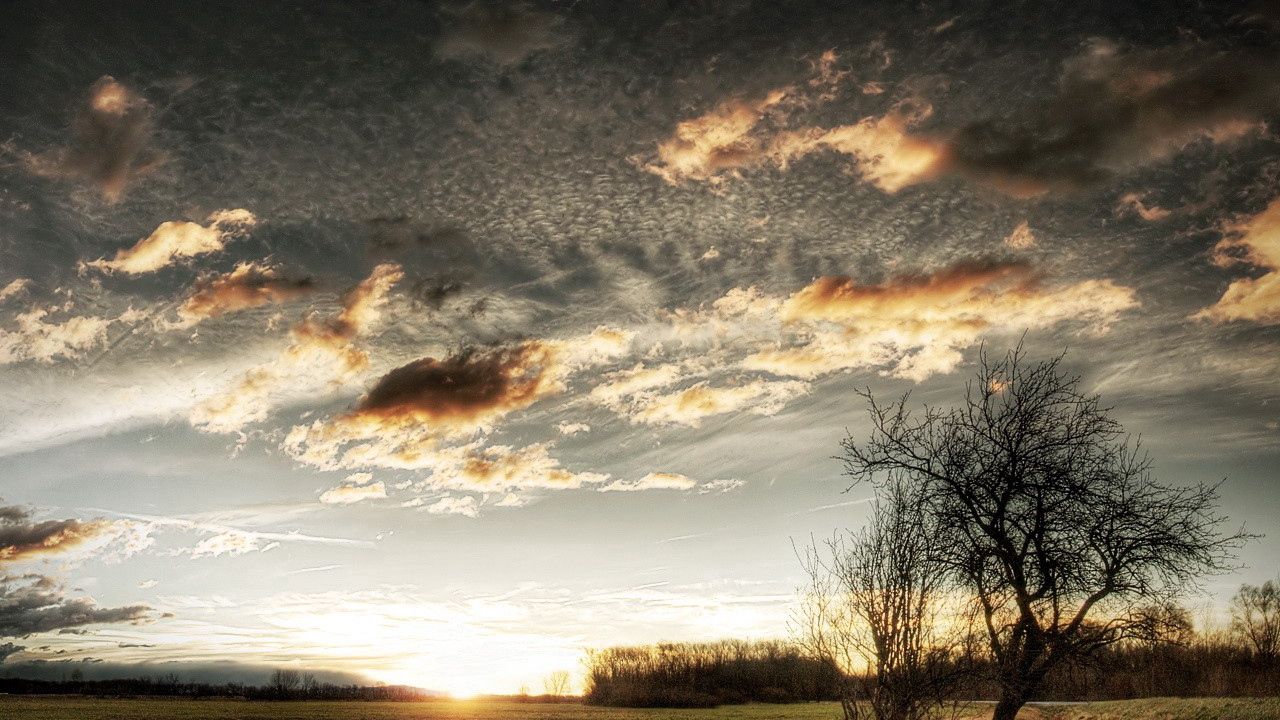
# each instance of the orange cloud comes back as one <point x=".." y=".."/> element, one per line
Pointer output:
<point x="1254" y="242"/>
<point x="175" y="240"/>
<point x="249" y="285"/>
<point x="322" y="352"/>
<point x="703" y="148"/>
<point x="1021" y="238"/>
<point x="840" y="298"/>
<point x="1133" y="204"/>
<point x="1111" y="110"/>
<point x="886" y="155"/>
<point x="739" y="134"/>
<point x="921" y="322"/>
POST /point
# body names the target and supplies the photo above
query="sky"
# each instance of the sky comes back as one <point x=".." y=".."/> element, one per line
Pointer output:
<point x="437" y="343"/>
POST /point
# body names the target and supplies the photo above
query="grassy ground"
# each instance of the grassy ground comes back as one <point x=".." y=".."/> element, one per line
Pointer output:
<point x="69" y="708"/>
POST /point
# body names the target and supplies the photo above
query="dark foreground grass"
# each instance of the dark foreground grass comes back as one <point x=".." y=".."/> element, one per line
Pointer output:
<point x="76" y="708"/>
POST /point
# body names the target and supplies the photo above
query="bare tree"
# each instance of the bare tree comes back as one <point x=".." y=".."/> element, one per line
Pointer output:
<point x="309" y="684"/>
<point x="878" y="596"/>
<point x="557" y="683"/>
<point x="1161" y="624"/>
<point x="1255" y="615"/>
<point x="1047" y="514"/>
<point x="284" y="682"/>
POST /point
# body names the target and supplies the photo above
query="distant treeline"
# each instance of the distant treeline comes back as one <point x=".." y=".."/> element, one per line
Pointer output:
<point x="293" y="686"/>
<point x="1201" y="668"/>
<point x="708" y="674"/>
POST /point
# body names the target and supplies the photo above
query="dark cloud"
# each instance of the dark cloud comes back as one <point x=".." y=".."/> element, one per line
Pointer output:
<point x="32" y="604"/>
<point x="21" y="538"/>
<point x="109" y="139"/>
<point x="1116" y="109"/>
<point x="395" y="238"/>
<point x="433" y="292"/>
<point x="503" y="32"/>
<point x="463" y="389"/>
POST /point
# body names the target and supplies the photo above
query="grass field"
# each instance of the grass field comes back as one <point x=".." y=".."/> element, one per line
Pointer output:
<point x="74" y="708"/>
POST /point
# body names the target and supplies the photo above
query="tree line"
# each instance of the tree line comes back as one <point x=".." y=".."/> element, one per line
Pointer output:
<point x="709" y="674"/>
<point x="282" y="684"/>
<point x="1170" y="657"/>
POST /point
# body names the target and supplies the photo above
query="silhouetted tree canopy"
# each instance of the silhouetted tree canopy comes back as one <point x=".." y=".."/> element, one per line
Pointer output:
<point x="1045" y="513"/>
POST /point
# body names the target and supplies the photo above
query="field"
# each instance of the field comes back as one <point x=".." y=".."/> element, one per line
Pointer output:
<point x="68" y="708"/>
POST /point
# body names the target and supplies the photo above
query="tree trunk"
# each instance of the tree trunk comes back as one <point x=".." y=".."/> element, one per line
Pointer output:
<point x="1007" y="706"/>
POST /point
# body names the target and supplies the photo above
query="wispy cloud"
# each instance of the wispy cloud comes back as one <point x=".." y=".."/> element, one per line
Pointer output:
<point x="833" y="506"/>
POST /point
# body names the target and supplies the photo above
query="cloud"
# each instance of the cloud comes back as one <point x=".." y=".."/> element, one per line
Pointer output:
<point x="886" y="154"/>
<point x="504" y="32"/>
<point x="919" y="323"/>
<point x="22" y="538"/>
<point x="464" y="505"/>
<point x="463" y="391"/>
<point x="747" y="345"/>
<point x="690" y="406"/>
<point x="348" y="493"/>
<point x="1254" y="242"/>
<point x="1113" y="110"/>
<point x="1021" y="238"/>
<point x="1133" y="204"/>
<point x="720" y="486"/>
<point x="737" y="135"/>
<point x="572" y="428"/>
<point x="109" y="139"/>
<point x="652" y="481"/>
<point x="623" y="388"/>
<point x="175" y="240"/>
<point x="32" y="604"/>
<point x="14" y="288"/>
<point x="249" y="285"/>
<point x="471" y="467"/>
<point x="224" y="539"/>
<point x="708" y="147"/>
<point x="231" y="543"/>
<point x="44" y="342"/>
<point x="322" y="352"/>
<point x="501" y="467"/>
<point x="435" y="414"/>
